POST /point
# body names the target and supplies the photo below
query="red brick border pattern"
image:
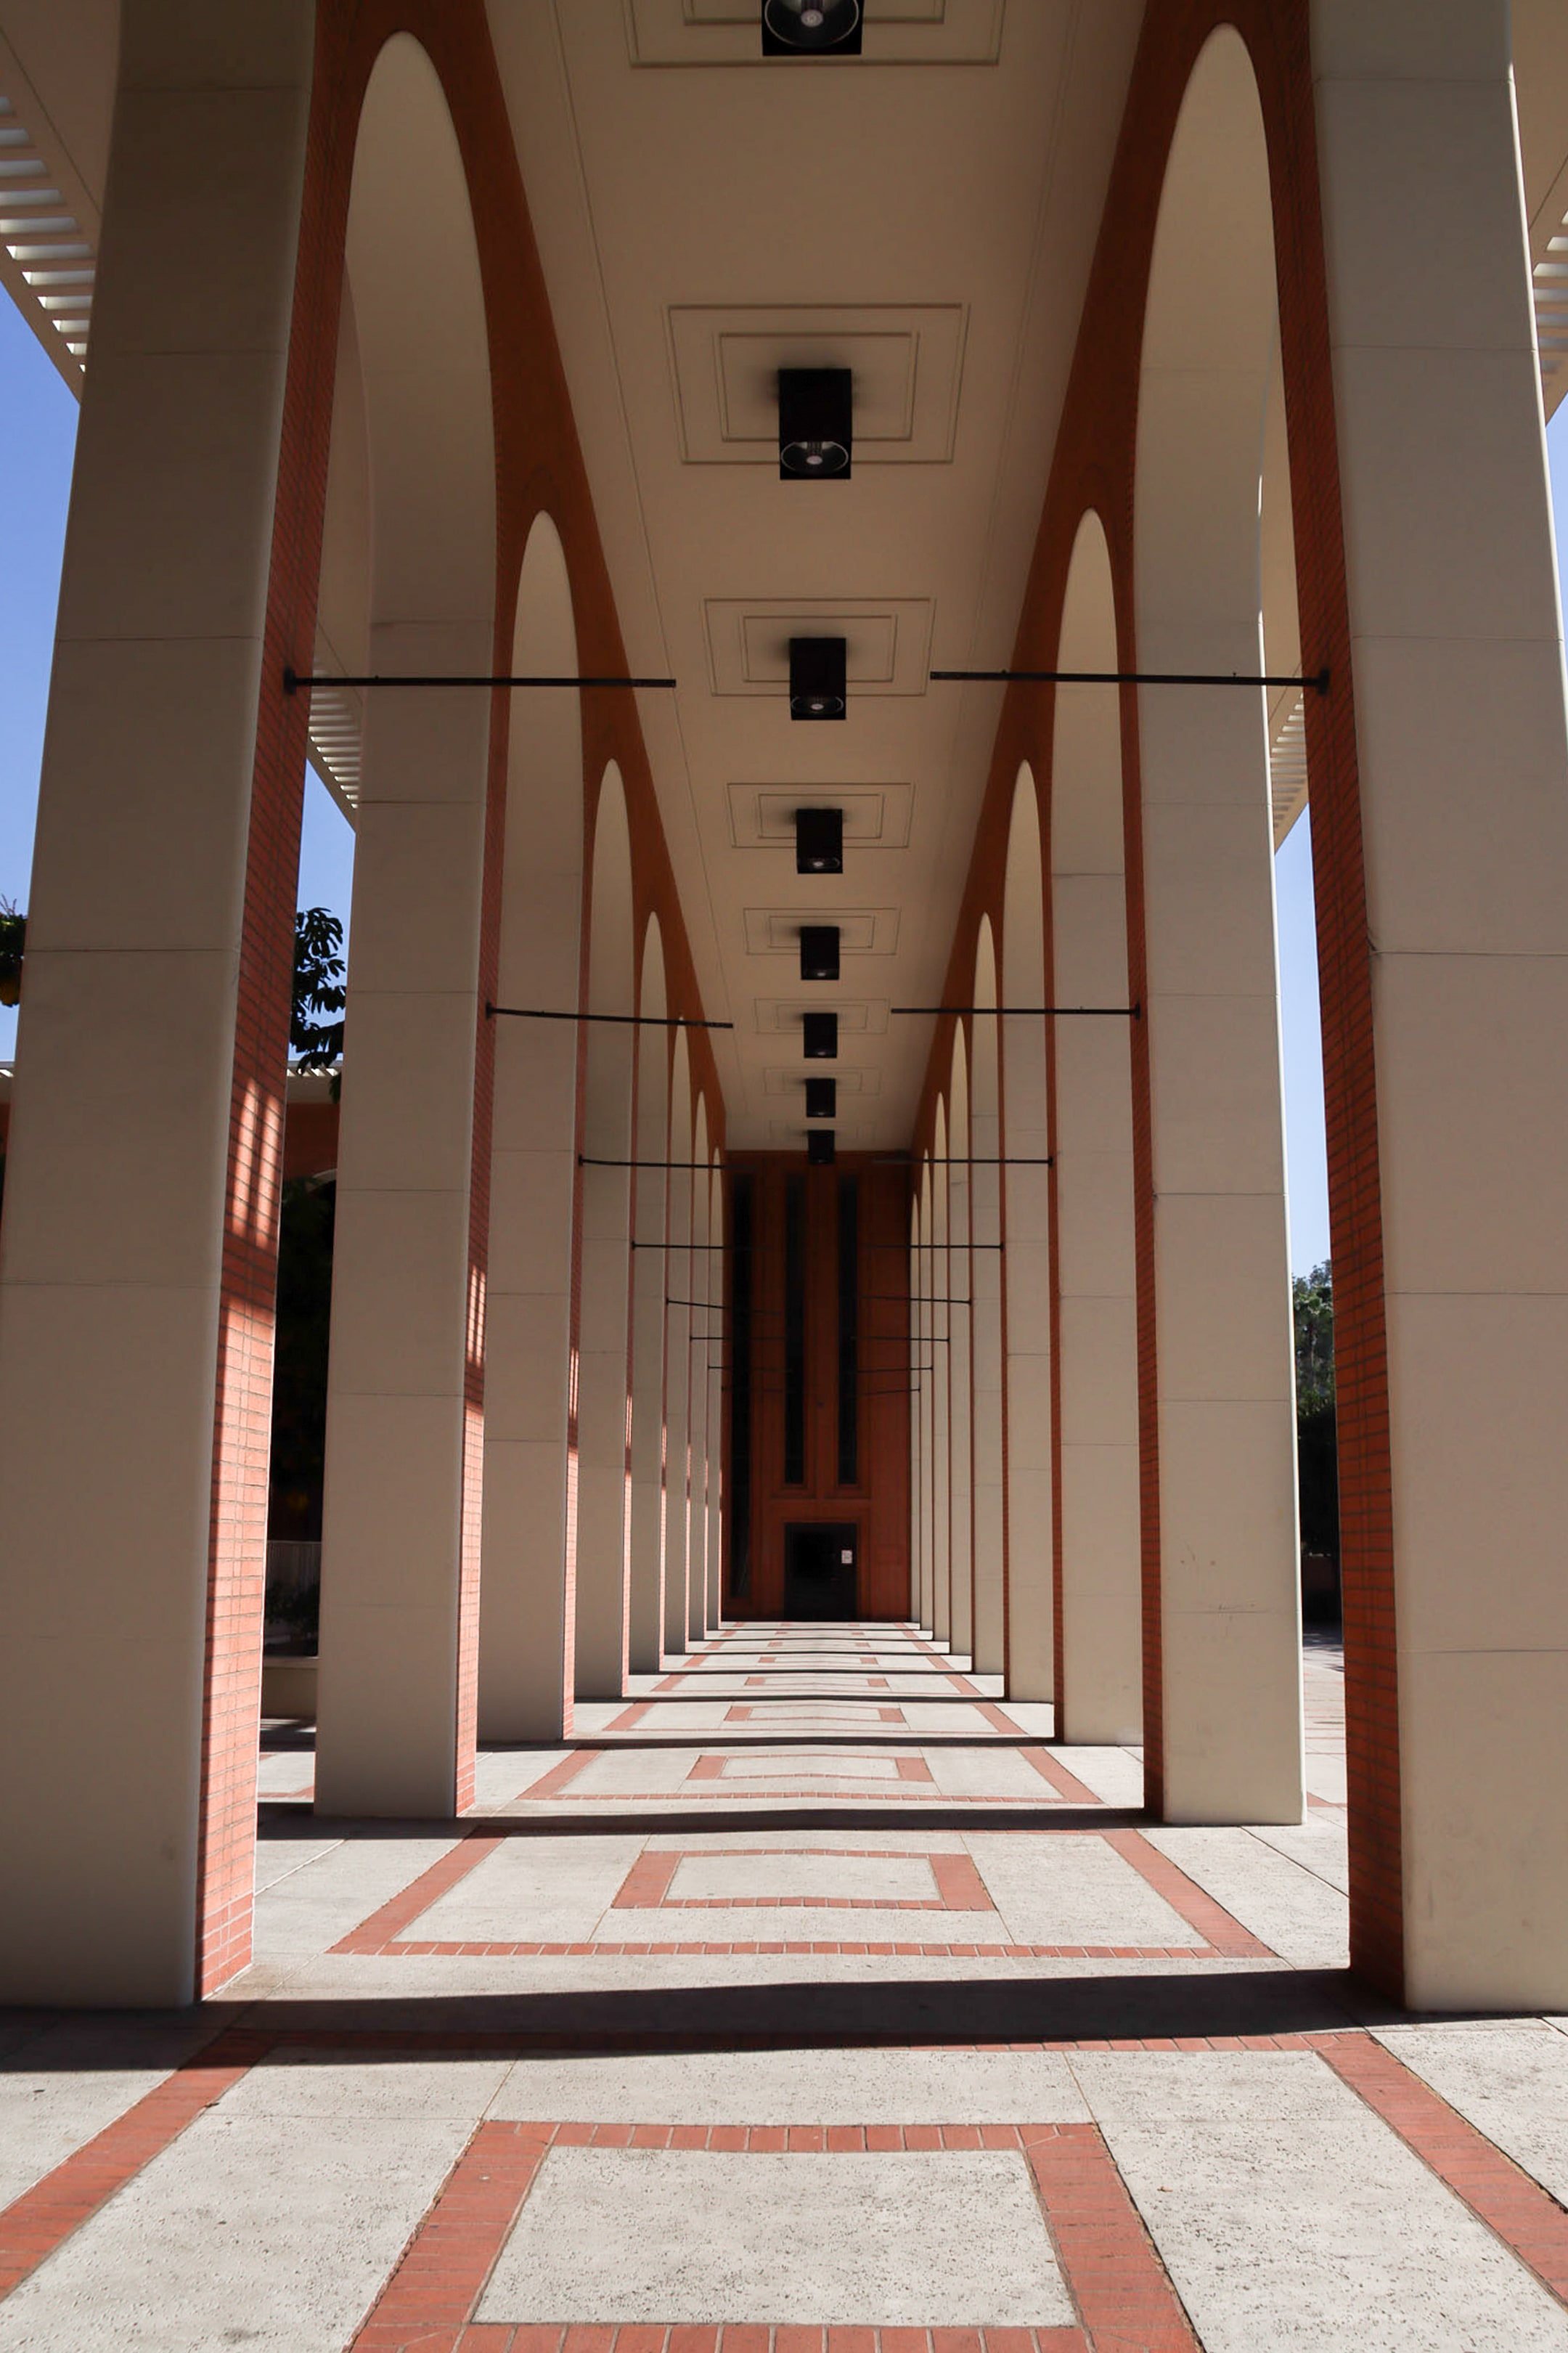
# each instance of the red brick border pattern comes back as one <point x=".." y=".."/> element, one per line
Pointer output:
<point x="34" y="2225"/>
<point x="1113" y="2274"/>
<point x="1224" y="1936"/>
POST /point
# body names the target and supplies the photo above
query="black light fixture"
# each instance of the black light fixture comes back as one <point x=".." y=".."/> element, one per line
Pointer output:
<point x="821" y="1098"/>
<point x="818" y="678"/>
<point x="819" y="841"/>
<point x="816" y="422"/>
<point x="792" y="29"/>
<point x="819" y="1148"/>
<point x="819" y="1037"/>
<point x="819" y="952"/>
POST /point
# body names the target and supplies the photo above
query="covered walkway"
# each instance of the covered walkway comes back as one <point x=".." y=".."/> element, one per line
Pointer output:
<point x="813" y="1987"/>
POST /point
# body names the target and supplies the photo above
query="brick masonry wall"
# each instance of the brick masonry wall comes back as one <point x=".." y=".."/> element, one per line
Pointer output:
<point x="1094" y="467"/>
<point x="539" y="468"/>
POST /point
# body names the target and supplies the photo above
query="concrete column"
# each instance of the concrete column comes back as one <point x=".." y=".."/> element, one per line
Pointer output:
<point x="405" y="1316"/>
<point x="1102" y="1697"/>
<point x="532" y="1462"/>
<point x="921" y="1345"/>
<point x="678" y="1394"/>
<point x="118" y="1156"/>
<point x="1463" y="757"/>
<point x="985" y="1278"/>
<point x="941" y="1376"/>
<point x="649" y="1283"/>
<point x="697" y="1361"/>
<point x="1027" y="1263"/>
<point x="718" y="1357"/>
<point x="1230" y="1741"/>
<point x="960" y="1390"/>
<point x="602" y="1604"/>
<point x="917" y="1412"/>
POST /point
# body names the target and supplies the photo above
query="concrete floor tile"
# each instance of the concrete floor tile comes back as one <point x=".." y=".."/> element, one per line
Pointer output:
<point x="1511" y="2081"/>
<point x="803" y="2086"/>
<point x="554" y="1890"/>
<point x="62" y="2085"/>
<point x="1322" y="2230"/>
<point x="908" y="2238"/>
<point x="1115" y="1775"/>
<point x="1060" y="1888"/>
<point x="246" y="2230"/>
<point x="706" y="1878"/>
<point x="1297" y="1914"/>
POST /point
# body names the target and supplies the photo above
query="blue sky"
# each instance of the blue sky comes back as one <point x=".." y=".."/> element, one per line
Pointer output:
<point x="37" y="429"/>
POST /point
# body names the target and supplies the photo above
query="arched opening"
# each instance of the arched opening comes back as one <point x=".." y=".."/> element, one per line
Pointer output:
<point x="1223" y="1714"/>
<point x="650" y="1194"/>
<point x="605" y="1300"/>
<point x="1026" y="1265"/>
<point x="985" y="1314"/>
<point x="400" y="1565"/>
<point x="1100" y="1667"/>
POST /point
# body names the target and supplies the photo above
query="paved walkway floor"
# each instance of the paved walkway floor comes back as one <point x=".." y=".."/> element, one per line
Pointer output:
<point x="814" y="1989"/>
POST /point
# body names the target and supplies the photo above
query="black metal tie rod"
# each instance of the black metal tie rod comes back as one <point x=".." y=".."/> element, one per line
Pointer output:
<point x="1318" y="684"/>
<point x="295" y="683"/>
<point x="713" y="1167"/>
<point x="622" y="1021"/>
<point x="1036" y="1012"/>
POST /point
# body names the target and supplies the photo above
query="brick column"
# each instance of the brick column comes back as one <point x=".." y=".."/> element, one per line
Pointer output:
<point x="1459" y="1722"/>
<point x="141" y="1185"/>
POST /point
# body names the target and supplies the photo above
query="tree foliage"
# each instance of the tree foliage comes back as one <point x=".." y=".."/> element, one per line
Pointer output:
<point x="1317" y="1448"/>
<point x="1312" y="1296"/>
<point x="315" y="1036"/>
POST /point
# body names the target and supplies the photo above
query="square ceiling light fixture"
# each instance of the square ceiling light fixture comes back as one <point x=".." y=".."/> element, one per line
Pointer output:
<point x="819" y="1037"/>
<point x="818" y="677"/>
<point x="816" y="413"/>
<point x="819" y="841"/>
<point x="822" y="1098"/>
<point x="793" y="28"/>
<point x="819" y="1148"/>
<point x="819" y="952"/>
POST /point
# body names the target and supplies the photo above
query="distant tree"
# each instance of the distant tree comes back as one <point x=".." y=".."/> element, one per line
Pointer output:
<point x="13" y="942"/>
<point x="1312" y="1296"/>
<point x="316" y="1043"/>
<point x="1317" y="1445"/>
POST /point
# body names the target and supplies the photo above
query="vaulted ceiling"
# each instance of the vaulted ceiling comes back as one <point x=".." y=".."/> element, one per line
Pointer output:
<point x="925" y="215"/>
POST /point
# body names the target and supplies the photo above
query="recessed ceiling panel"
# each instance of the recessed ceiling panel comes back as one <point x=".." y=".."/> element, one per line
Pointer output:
<point x="870" y="1016"/>
<point x="851" y="1080"/>
<point x="775" y="930"/>
<point x="906" y="362"/>
<point x="761" y="817"/>
<point x="888" y="640"/>
<point x="898" y="32"/>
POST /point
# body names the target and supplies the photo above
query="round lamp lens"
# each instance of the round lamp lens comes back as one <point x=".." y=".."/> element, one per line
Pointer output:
<point x="811" y="24"/>
<point x="814" y="457"/>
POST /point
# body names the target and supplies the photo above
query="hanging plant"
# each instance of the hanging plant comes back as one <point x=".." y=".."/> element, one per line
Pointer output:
<point x="13" y="941"/>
